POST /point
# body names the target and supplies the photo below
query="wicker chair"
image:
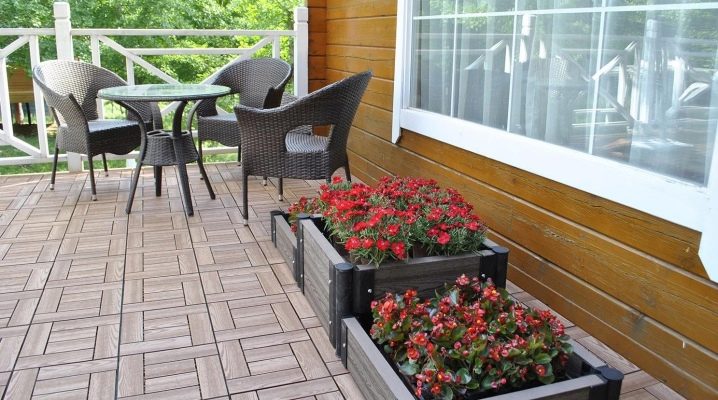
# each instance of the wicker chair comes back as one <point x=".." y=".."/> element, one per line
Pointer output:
<point x="274" y="142"/>
<point x="258" y="81"/>
<point x="70" y="89"/>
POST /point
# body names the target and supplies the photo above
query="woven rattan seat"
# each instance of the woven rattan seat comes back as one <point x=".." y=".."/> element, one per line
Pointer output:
<point x="272" y="146"/>
<point x="70" y="89"/>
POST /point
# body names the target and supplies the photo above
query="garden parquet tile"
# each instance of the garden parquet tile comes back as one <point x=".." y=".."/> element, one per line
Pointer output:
<point x="157" y="305"/>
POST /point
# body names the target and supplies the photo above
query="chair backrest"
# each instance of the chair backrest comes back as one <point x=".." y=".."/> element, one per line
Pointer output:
<point x="60" y="78"/>
<point x="253" y="79"/>
<point x="263" y="131"/>
<point x="82" y="80"/>
<point x="336" y="105"/>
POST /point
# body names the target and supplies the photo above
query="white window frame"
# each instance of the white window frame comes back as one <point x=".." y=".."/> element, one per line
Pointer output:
<point x="686" y="204"/>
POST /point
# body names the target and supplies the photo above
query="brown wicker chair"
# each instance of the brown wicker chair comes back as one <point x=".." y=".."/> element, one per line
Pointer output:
<point x="70" y="89"/>
<point x="274" y="142"/>
<point x="259" y="82"/>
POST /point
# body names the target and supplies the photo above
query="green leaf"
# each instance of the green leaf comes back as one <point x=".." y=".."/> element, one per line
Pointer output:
<point x="409" y="369"/>
<point x="464" y="374"/>
<point x="486" y="382"/>
<point x="447" y="393"/>
<point x="542" y="358"/>
<point x="454" y="296"/>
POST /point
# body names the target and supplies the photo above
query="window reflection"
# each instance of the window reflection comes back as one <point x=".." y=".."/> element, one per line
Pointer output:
<point x="636" y="86"/>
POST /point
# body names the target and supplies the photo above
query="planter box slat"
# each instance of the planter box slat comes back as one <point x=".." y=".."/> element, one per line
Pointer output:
<point x="284" y="240"/>
<point x="422" y="273"/>
<point x="319" y="260"/>
<point x="377" y="379"/>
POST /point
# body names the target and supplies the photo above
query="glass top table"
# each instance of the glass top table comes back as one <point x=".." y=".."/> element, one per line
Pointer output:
<point x="161" y="148"/>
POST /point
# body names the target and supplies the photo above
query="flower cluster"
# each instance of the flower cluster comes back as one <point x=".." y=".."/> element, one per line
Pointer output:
<point x="469" y="338"/>
<point x="385" y="222"/>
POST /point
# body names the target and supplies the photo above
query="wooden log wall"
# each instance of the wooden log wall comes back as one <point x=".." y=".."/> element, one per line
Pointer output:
<point x="633" y="281"/>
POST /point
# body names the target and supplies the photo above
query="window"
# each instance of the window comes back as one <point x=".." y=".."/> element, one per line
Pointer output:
<point x="615" y="97"/>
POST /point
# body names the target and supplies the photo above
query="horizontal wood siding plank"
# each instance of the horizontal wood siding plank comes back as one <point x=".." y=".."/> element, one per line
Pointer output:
<point x="665" y="293"/>
<point x="355" y="59"/>
<point x="374" y="32"/>
<point x="361" y="8"/>
<point x="379" y="93"/>
<point x="670" y="242"/>
<point x="375" y="120"/>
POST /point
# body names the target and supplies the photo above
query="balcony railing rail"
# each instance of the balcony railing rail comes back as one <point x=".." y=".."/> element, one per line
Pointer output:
<point x="64" y="34"/>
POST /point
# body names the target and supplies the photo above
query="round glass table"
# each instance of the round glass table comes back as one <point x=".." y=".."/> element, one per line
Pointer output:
<point x="160" y="148"/>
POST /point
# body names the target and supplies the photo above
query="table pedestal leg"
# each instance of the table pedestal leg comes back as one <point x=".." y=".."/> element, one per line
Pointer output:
<point x="179" y="156"/>
<point x="206" y="179"/>
<point x="133" y="186"/>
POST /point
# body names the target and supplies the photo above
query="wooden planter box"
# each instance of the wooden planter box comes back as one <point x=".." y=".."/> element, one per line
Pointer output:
<point x="376" y="378"/>
<point x="336" y="288"/>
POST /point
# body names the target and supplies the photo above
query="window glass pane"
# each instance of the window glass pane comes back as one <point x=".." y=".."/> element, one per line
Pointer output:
<point x="664" y="74"/>
<point x="433" y="60"/>
<point x="483" y="6"/>
<point x="555" y="4"/>
<point x="434" y="7"/>
<point x="553" y="92"/>
<point x="638" y="86"/>
<point x="483" y="70"/>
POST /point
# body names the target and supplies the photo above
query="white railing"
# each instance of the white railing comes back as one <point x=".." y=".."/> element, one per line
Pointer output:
<point x="64" y="34"/>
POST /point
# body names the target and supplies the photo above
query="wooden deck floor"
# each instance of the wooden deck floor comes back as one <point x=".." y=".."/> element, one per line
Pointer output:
<point x="98" y="304"/>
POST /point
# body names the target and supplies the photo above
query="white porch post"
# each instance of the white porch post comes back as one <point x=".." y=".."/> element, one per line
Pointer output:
<point x="63" y="41"/>
<point x="301" y="51"/>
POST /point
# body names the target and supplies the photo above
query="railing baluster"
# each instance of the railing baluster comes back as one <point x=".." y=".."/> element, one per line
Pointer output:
<point x="39" y="102"/>
<point x="95" y="51"/>
<point x="130" y="68"/>
<point x="5" y="100"/>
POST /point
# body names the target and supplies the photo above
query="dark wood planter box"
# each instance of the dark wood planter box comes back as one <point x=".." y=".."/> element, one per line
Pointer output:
<point x="376" y="378"/>
<point x="336" y="288"/>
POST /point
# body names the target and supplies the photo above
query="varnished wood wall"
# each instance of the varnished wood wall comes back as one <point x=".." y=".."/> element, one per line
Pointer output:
<point x="631" y="280"/>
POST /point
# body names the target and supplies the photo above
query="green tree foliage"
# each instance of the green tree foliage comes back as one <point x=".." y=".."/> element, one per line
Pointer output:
<point x="143" y="14"/>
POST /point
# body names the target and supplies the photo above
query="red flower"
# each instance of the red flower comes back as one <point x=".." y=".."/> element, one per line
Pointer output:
<point x="383" y="244"/>
<point x="540" y="370"/>
<point x="399" y="250"/>
<point x="420" y="339"/>
<point x="412" y="353"/>
<point x="367" y="243"/>
<point x="393" y="230"/>
<point x="352" y="243"/>
<point x="473" y="226"/>
<point x="443" y="238"/>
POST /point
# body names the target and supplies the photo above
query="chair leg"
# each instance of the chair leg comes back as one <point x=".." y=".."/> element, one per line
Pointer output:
<point x="92" y="178"/>
<point x="245" y="198"/>
<point x="199" y="159"/>
<point x="281" y="189"/>
<point x="264" y="181"/>
<point x="347" y="172"/>
<point x="133" y="186"/>
<point x="54" y="169"/>
<point x="158" y="180"/>
<point x="104" y="164"/>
